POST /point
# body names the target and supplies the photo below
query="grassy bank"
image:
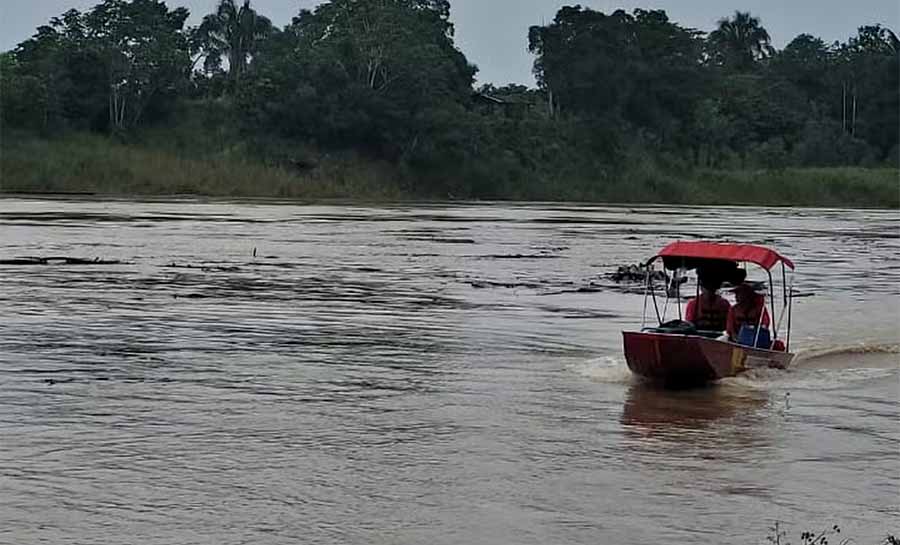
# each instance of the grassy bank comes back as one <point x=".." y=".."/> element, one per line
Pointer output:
<point x="842" y="187"/>
<point x="84" y="163"/>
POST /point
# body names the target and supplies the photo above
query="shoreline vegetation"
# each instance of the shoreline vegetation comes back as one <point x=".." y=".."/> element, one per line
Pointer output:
<point x="372" y="100"/>
<point x="94" y="164"/>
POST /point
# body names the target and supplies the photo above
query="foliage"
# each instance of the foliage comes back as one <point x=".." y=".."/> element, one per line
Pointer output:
<point x="867" y="68"/>
<point x="628" y="106"/>
<point x="739" y="43"/>
<point x="232" y="32"/>
<point x="85" y="163"/>
<point x="806" y="63"/>
<point x="723" y="100"/>
<point x="639" y="69"/>
<point x="376" y="75"/>
<point x="779" y="536"/>
<point x="24" y="103"/>
<point x="184" y="162"/>
<point x="104" y="69"/>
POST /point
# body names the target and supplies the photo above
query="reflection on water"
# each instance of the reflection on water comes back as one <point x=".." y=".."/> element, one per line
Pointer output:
<point x="656" y="411"/>
<point x="272" y="373"/>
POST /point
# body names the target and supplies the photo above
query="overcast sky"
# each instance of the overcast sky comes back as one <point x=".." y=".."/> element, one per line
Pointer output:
<point x="493" y="33"/>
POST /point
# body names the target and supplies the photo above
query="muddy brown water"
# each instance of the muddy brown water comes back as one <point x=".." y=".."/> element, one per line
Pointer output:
<point x="425" y="374"/>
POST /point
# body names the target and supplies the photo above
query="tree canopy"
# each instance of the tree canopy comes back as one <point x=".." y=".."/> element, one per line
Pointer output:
<point x="105" y="68"/>
<point x="233" y="33"/>
<point x="739" y="43"/>
<point x="385" y="78"/>
<point x="372" y="73"/>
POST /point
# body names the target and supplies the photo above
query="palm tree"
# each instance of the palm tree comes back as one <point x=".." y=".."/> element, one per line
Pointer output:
<point x="234" y="33"/>
<point x="738" y="43"/>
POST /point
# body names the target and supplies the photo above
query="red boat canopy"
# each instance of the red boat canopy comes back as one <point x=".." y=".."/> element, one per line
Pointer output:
<point x="749" y="253"/>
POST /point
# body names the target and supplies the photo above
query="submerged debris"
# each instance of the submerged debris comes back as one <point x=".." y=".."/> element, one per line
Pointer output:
<point x="58" y="261"/>
<point x="483" y="284"/>
<point x="590" y="288"/>
<point x="205" y="268"/>
<point x="520" y="256"/>
<point x="636" y="273"/>
<point x="441" y="240"/>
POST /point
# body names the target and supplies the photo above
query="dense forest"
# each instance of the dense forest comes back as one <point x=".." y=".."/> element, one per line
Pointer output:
<point x="359" y="95"/>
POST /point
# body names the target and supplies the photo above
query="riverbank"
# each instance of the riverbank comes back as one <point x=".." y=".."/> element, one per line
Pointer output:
<point x="85" y="163"/>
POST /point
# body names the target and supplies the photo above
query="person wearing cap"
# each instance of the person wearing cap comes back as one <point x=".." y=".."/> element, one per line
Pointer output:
<point x="709" y="311"/>
<point x="749" y="311"/>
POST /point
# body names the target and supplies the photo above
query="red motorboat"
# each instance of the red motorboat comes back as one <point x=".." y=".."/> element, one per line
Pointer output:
<point x="675" y="352"/>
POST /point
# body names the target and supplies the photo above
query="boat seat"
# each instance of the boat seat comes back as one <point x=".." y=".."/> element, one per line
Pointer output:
<point x="676" y="327"/>
<point x="680" y="327"/>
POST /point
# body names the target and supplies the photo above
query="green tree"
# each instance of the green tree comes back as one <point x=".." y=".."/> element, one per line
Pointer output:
<point x="639" y="69"/>
<point x="581" y="60"/>
<point x="739" y="42"/>
<point x="712" y="133"/>
<point x="670" y="80"/>
<point x="107" y="68"/>
<point x="807" y="63"/>
<point x="373" y="74"/>
<point x="145" y="53"/>
<point x="761" y="109"/>
<point x="233" y="33"/>
<point x="65" y="76"/>
<point x="866" y="71"/>
<point x="22" y="96"/>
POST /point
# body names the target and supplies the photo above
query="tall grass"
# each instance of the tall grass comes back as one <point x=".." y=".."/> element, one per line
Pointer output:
<point x="87" y="163"/>
<point x="842" y="187"/>
<point x="84" y="163"/>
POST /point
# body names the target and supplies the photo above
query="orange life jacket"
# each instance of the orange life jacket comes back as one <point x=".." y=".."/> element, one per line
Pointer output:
<point x="711" y="317"/>
<point x="742" y="315"/>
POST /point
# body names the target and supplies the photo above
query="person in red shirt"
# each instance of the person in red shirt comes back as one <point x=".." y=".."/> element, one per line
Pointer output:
<point x="709" y="311"/>
<point x="749" y="307"/>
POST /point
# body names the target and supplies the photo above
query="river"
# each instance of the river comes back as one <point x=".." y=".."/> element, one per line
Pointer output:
<point x="261" y="372"/>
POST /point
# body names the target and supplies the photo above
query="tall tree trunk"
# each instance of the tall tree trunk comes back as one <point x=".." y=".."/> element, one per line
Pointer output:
<point x="49" y="102"/>
<point x="113" y="107"/>
<point x="553" y="106"/>
<point x="843" y="107"/>
<point x="235" y="64"/>
<point x="853" y="125"/>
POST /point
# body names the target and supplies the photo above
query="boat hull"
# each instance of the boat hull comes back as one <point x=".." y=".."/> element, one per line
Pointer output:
<point x="675" y="359"/>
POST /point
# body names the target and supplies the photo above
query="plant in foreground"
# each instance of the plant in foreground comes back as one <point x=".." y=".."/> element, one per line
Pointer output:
<point x="779" y="537"/>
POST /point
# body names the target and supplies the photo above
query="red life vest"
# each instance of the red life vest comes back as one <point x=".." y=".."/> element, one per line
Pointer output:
<point x="706" y="316"/>
<point x="742" y="315"/>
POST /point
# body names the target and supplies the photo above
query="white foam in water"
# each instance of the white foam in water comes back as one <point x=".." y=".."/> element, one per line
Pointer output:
<point x="758" y="379"/>
<point x="806" y="379"/>
<point x="822" y="368"/>
<point x="827" y="368"/>
<point x="864" y="355"/>
<point x="607" y="369"/>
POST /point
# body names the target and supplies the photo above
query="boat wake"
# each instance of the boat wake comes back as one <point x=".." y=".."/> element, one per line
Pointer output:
<point x="806" y="379"/>
<point x="609" y="369"/>
<point x="827" y="368"/>
<point x="865" y="355"/>
<point x="822" y="368"/>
